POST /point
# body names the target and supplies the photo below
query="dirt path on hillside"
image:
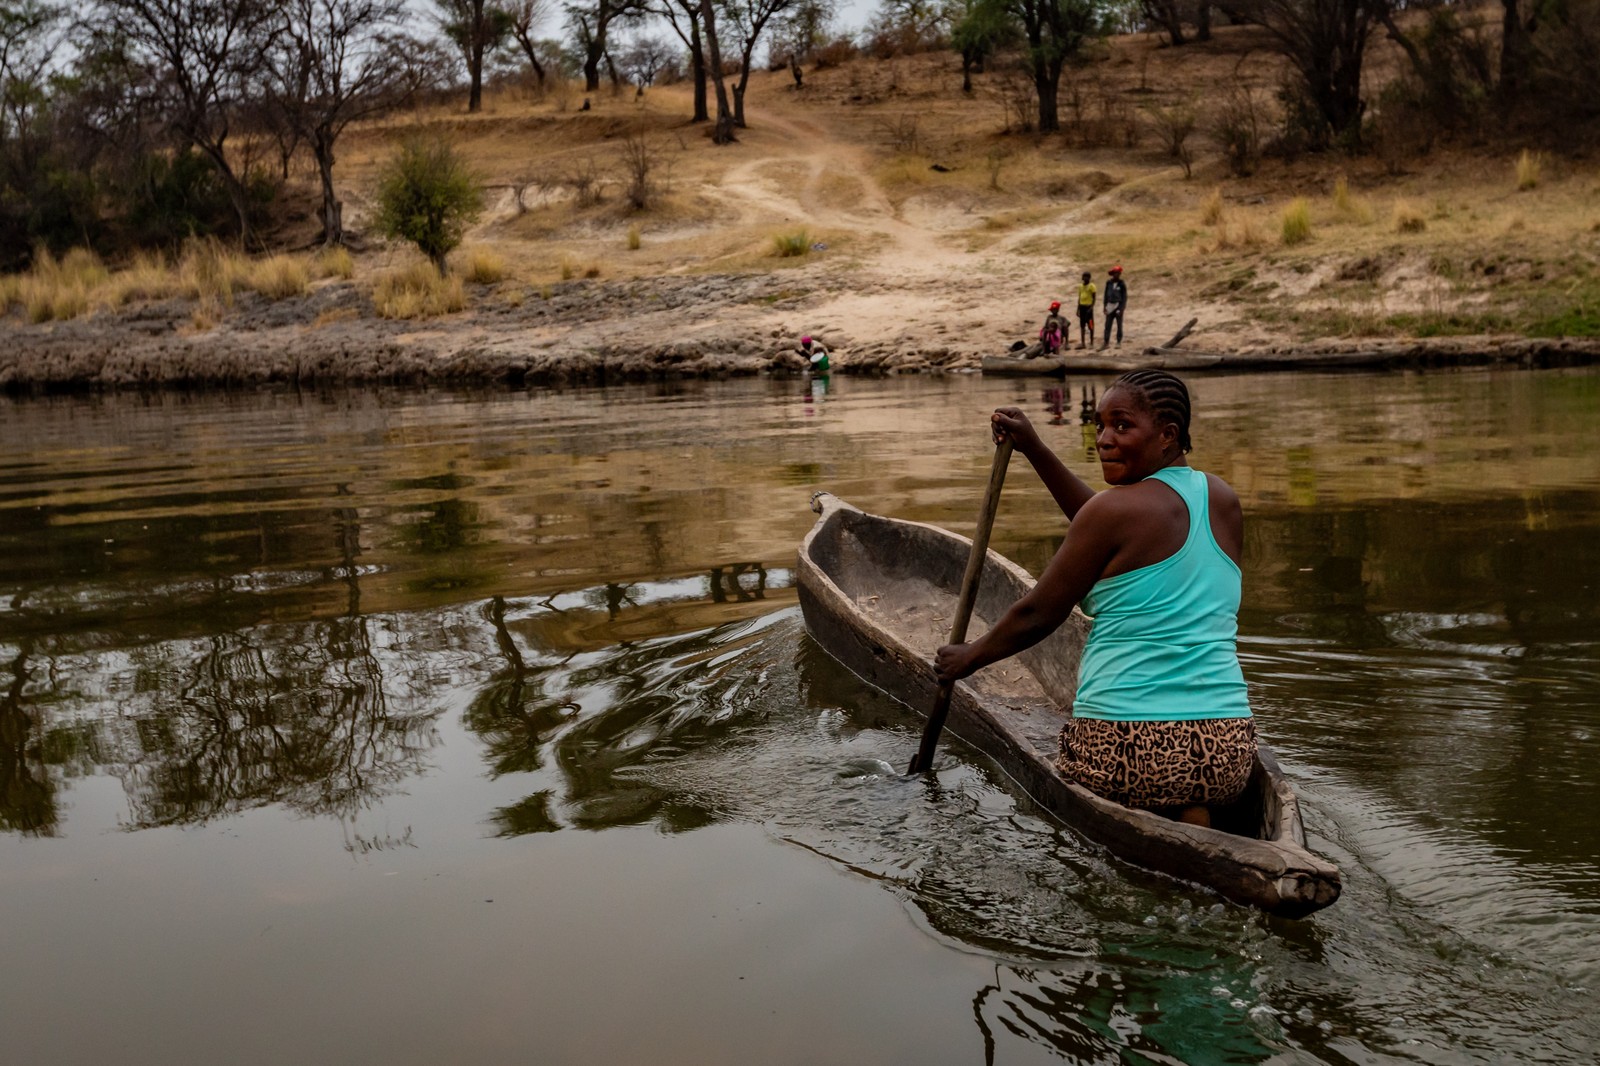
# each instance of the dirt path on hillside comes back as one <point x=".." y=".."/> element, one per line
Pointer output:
<point x="916" y="282"/>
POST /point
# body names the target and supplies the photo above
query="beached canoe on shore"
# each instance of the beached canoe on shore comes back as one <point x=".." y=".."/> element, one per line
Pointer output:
<point x="878" y="594"/>
<point x="1057" y="366"/>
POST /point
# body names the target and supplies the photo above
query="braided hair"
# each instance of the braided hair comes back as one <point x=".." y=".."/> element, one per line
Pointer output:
<point x="1164" y="396"/>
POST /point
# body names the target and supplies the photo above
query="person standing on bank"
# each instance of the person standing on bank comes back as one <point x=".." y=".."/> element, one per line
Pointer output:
<point x="1115" y="302"/>
<point x="1086" y="295"/>
<point x="1161" y="720"/>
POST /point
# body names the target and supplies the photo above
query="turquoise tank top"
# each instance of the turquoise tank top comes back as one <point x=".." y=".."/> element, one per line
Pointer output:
<point x="1163" y="646"/>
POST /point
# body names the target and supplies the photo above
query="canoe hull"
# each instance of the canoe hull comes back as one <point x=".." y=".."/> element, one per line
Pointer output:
<point x="1016" y="728"/>
<point x="1061" y="366"/>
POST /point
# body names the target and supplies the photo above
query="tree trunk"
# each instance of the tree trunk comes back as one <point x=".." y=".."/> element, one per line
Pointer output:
<point x="723" y="134"/>
<point x="591" y="65"/>
<point x="332" y="211"/>
<point x="1203" y="21"/>
<point x="475" y="76"/>
<point x="795" y="73"/>
<point x="697" y="64"/>
<point x="738" y="95"/>
<point x="1167" y="12"/>
<point x="232" y="185"/>
<point x="1515" y="47"/>
<point x="1047" y="83"/>
<point x="533" y="59"/>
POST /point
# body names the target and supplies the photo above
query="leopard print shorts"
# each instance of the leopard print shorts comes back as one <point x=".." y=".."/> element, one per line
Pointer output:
<point x="1160" y="764"/>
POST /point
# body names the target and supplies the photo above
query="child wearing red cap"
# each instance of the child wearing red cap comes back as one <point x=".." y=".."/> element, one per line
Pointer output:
<point x="1054" y="332"/>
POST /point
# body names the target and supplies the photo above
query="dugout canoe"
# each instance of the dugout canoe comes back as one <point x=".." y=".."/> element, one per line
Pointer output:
<point x="878" y="593"/>
<point x="1061" y="366"/>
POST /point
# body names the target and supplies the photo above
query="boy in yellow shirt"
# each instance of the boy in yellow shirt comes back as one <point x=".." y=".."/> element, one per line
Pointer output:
<point x="1086" y="295"/>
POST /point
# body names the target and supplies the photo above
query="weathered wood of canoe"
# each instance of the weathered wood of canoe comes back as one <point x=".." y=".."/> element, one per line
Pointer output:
<point x="1011" y="366"/>
<point x="1061" y="366"/>
<point x="875" y="591"/>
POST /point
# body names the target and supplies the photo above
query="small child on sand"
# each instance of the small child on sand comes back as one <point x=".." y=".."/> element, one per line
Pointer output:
<point x="1053" y="334"/>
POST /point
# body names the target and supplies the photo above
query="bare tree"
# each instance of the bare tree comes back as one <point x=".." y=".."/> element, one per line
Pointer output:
<point x="29" y="34"/>
<point x="803" y="28"/>
<point x="591" y="27"/>
<point x="643" y="59"/>
<point x="1166" y="14"/>
<point x="1326" y="41"/>
<point x="526" y="15"/>
<point x="1054" y="31"/>
<point x="723" y="132"/>
<point x="476" y="28"/>
<point x="684" y="18"/>
<point x="337" y="62"/>
<point x="205" y="55"/>
<point x="747" y="21"/>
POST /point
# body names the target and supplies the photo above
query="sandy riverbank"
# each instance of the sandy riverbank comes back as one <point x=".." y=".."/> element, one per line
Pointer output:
<point x="598" y="331"/>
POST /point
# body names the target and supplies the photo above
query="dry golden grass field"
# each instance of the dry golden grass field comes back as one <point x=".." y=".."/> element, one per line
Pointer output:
<point x="881" y="207"/>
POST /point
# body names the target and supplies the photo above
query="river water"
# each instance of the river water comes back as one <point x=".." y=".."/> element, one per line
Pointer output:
<point x="412" y="728"/>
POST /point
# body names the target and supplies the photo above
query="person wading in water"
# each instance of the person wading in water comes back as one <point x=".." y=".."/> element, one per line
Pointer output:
<point x="1161" y="720"/>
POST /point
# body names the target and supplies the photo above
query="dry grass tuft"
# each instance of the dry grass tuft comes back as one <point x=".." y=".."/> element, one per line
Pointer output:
<point x="147" y="277"/>
<point x="1347" y="208"/>
<point x="57" y="289"/>
<point x="1211" y="208"/>
<point x="483" y="266"/>
<point x="207" y="314"/>
<point x="788" y="245"/>
<point x="279" y="277"/>
<point x="208" y="269"/>
<point x="1296" y="222"/>
<point x="1234" y="232"/>
<point x="417" y="291"/>
<point x="1408" y="218"/>
<point x="1530" y="167"/>
<point x="634" y="237"/>
<point x="335" y="262"/>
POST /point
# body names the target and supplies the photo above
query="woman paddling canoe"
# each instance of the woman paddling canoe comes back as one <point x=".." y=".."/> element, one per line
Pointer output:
<point x="1161" y="719"/>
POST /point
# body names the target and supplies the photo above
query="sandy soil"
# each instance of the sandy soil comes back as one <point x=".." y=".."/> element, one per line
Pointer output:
<point x="924" y="258"/>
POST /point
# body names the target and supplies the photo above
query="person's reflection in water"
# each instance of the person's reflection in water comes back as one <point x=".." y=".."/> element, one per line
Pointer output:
<point x="1086" y="408"/>
<point x="816" y="391"/>
<point x="617" y="595"/>
<point x="1055" y="399"/>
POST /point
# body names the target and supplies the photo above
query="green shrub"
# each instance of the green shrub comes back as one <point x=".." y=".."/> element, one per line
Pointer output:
<point x="426" y="195"/>
<point x="788" y="245"/>
<point x="1297" y="222"/>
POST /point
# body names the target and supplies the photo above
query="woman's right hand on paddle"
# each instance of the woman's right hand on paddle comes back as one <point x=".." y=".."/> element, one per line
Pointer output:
<point x="1010" y="422"/>
<point x="952" y="662"/>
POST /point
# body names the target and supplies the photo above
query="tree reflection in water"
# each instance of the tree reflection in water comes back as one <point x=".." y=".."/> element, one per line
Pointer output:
<point x="27" y="794"/>
<point x="300" y="718"/>
<point x="299" y="715"/>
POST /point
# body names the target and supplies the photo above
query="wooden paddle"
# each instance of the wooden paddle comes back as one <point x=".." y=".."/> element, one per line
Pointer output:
<point x="923" y="760"/>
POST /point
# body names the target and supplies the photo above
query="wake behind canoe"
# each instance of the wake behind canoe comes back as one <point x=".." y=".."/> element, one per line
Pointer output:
<point x="877" y="593"/>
